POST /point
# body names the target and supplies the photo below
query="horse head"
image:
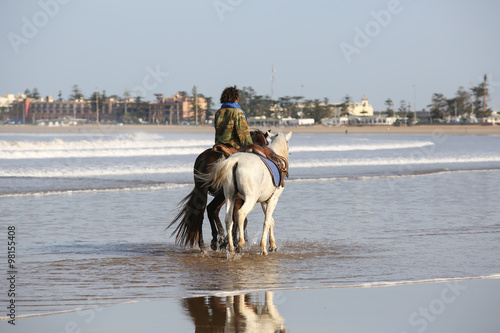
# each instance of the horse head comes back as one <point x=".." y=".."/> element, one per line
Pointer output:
<point x="279" y="143"/>
<point x="259" y="137"/>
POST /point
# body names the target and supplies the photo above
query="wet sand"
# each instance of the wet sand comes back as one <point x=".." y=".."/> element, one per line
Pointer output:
<point x="454" y="305"/>
<point x="419" y="129"/>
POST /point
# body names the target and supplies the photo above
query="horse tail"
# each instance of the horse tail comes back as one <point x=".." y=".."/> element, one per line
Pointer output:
<point x="190" y="217"/>
<point x="222" y="171"/>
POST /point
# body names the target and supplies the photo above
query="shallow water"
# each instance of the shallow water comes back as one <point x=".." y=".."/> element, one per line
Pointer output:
<point x="358" y="209"/>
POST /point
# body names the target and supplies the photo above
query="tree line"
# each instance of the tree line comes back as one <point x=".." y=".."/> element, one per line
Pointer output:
<point x="472" y="101"/>
<point x="465" y="102"/>
<point x="255" y="105"/>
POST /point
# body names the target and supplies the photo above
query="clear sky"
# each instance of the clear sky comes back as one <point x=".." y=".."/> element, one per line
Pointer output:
<point x="319" y="48"/>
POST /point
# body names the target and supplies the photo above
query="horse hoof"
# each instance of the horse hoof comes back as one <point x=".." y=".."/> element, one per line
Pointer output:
<point x="273" y="249"/>
<point x="213" y="245"/>
<point x="223" y="245"/>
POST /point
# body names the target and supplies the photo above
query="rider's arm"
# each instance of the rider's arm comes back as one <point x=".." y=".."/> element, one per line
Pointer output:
<point x="242" y="130"/>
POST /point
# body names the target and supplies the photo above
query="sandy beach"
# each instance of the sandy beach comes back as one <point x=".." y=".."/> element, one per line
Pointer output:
<point x="319" y="129"/>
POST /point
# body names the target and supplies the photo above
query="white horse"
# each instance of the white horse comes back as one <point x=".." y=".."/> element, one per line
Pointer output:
<point x="245" y="175"/>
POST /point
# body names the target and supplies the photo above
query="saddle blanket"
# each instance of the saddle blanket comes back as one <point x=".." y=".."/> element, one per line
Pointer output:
<point x="273" y="169"/>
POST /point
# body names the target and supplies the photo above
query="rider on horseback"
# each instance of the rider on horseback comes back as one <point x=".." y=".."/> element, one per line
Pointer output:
<point x="231" y="127"/>
<point x="232" y="133"/>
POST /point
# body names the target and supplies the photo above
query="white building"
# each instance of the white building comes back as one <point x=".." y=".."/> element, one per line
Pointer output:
<point x="363" y="109"/>
<point x="352" y="120"/>
<point x="493" y="118"/>
<point x="8" y="99"/>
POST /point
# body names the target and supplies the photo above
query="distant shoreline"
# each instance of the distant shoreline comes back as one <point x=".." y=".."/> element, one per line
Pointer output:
<point x="317" y="129"/>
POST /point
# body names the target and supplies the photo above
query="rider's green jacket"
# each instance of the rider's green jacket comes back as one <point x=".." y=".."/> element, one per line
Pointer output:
<point x="231" y="127"/>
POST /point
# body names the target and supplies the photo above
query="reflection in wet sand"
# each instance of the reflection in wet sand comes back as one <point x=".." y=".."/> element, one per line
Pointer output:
<point x="235" y="313"/>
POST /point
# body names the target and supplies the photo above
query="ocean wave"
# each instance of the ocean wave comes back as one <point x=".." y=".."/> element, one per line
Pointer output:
<point x="152" y="187"/>
<point x="420" y="173"/>
<point x="96" y="172"/>
<point x="130" y="145"/>
<point x="134" y="145"/>
<point x="368" y="146"/>
<point x="85" y="153"/>
<point x="121" y="170"/>
<point x="394" y="161"/>
<point x="126" y="143"/>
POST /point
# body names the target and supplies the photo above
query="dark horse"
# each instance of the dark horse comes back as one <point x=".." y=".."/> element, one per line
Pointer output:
<point x="190" y="217"/>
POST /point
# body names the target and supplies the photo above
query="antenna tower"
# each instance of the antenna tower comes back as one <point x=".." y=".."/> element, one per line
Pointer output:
<point x="273" y="76"/>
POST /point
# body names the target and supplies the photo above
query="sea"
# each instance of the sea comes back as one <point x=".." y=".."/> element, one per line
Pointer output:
<point x="89" y="213"/>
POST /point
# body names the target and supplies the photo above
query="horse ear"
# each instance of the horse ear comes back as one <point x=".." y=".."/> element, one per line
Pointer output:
<point x="288" y="136"/>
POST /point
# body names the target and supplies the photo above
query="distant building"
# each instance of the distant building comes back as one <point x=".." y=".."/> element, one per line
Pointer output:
<point x="263" y="121"/>
<point x="8" y="99"/>
<point x="49" y="109"/>
<point x="353" y="120"/>
<point x="7" y="106"/>
<point x="363" y="109"/>
<point x="298" y="121"/>
<point x="355" y="113"/>
<point x="178" y="109"/>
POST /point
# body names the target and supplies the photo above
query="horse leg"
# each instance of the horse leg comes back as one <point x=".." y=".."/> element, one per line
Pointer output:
<point x="238" y="202"/>
<point x="268" y="208"/>
<point x="245" y="228"/>
<point x="245" y="209"/>
<point x="229" y="223"/>
<point x="272" y="240"/>
<point x="213" y="210"/>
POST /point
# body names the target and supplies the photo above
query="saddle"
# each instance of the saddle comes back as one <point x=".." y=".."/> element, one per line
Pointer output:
<point x="265" y="152"/>
<point x="225" y="149"/>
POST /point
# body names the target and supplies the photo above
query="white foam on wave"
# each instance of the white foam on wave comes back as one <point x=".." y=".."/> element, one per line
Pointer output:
<point x="70" y="171"/>
<point x="393" y="161"/>
<point x="154" y="187"/>
<point x="125" y="143"/>
<point x="95" y="172"/>
<point x="140" y="145"/>
<point x="368" y="146"/>
<point x="131" y="145"/>
<point x="361" y="285"/>
<point x="85" y="153"/>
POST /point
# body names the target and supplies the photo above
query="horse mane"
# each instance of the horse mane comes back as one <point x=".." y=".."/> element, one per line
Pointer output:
<point x="259" y="137"/>
<point x="280" y="145"/>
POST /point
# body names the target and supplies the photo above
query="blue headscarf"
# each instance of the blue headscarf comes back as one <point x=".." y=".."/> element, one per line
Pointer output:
<point x="233" y="105"/>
